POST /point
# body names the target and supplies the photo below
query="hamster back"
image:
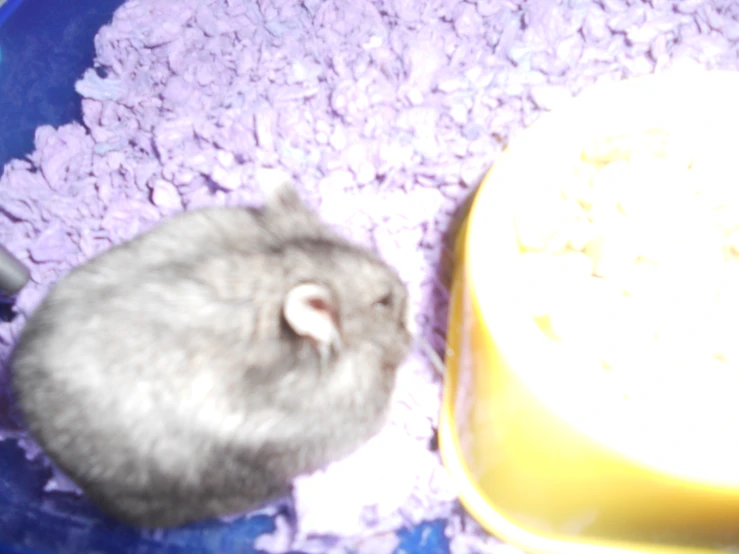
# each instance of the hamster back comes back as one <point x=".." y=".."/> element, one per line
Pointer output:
<point x="197" y="369"/>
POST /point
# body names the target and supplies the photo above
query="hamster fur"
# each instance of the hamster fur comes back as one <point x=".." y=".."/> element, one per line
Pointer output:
<point x="195" y="370"/>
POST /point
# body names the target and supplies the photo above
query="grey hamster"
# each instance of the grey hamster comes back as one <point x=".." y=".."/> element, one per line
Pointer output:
<point x="197" y="369"/>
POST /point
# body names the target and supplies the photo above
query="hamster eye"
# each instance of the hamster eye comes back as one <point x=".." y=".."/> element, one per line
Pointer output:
<point x="383" y="303"/>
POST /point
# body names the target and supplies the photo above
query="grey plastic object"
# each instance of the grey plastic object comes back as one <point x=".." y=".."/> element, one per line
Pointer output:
<point x="13" y="274"/>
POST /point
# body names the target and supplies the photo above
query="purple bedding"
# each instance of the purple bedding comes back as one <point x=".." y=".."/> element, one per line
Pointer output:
<point x="386" y="113"/>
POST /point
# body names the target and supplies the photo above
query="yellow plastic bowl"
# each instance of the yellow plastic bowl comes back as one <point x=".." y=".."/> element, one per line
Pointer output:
<point x="544" y="467"/>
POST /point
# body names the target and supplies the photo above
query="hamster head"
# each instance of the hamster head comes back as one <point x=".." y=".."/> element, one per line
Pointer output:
<point x="338" y="295"/>
<point x="346" y="301"/>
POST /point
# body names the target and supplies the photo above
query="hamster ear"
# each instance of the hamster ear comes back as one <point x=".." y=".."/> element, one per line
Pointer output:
<point x="283" y="196"/>
<point x="310" y="311"/>
<point x="278" y="190"/>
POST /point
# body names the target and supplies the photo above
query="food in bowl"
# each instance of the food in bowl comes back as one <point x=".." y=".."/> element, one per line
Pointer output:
<point x="634" y="261"/>
<point x="643" y="245"/>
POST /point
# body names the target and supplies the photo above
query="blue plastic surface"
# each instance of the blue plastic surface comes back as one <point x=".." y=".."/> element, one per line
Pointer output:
<point x="46" y="45"/>
<point x="7" y="8"/>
